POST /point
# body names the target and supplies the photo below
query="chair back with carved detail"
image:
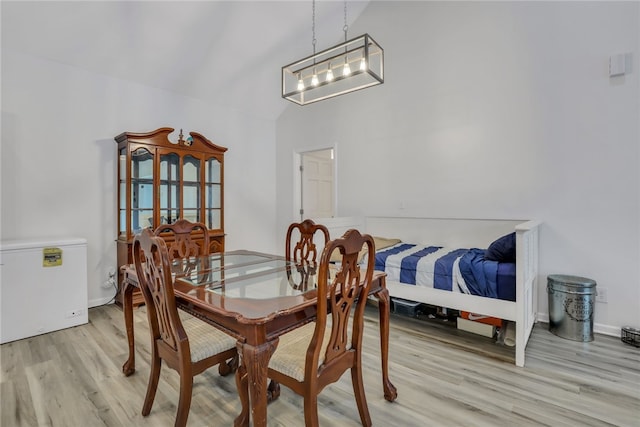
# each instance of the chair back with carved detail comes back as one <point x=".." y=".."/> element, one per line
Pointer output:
<point x="305" y="248"/>
<point x="170" y="332"/>
<point x="184" y="238"/>
<point x="309" y="358"/>
<point x="153" y="268"/>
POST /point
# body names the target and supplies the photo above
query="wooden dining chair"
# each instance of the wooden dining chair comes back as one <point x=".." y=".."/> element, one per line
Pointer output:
<point x="311" y="357"/>
<point x="183" y="238"/>
<point x="185" y="241"/>
<point x="187" y="345"/>
<point x="303" y="250"/>
<point x="186" y="244"/>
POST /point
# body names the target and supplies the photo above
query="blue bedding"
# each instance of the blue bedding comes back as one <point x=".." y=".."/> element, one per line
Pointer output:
<point x="479" y="274"/>
<point x="458" y="270"/>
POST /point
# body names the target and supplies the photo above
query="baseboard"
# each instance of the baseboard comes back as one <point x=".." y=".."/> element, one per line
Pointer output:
<point x="614" y="331"/>
<point x="101" y="301"/>
<point x="598" y="328"/>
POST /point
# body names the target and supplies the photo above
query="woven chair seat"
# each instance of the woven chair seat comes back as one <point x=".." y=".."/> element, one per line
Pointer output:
<point x="205" y="340"/>
<point x="289" y="357"/>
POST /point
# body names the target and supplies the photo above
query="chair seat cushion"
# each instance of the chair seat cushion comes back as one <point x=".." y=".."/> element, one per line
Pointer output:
<point x="289" y="357"/>
<point x="292" y="348"/>
<point x="205" y="340"/>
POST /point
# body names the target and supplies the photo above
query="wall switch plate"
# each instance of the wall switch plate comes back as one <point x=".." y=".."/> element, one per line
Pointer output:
<point x="620" y="64"/>
<point x="601" y="295"/>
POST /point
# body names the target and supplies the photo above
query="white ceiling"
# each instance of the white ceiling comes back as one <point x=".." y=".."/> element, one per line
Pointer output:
<point x="229" y="53"/>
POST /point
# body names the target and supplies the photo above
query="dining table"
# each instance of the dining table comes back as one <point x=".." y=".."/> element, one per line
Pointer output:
<point x="255" y="297"/>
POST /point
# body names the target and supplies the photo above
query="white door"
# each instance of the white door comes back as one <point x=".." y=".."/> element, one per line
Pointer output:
<point x="317" y="179"/>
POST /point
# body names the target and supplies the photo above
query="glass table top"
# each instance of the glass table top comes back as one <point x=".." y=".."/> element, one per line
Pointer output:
<point x="249" y="287"/>
<point x="290" y="280"/>
<point x="220" y="261"/>
<point x="246" y="275"/>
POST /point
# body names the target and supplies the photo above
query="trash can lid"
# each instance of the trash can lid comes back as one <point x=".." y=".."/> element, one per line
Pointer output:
<point x="572" y="280"/>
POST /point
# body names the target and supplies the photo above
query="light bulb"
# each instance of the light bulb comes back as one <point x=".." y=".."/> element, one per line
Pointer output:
<point x="329" y="75"/>
<point x="346" y="70"/>
<point x="300" y="85"/>
<point x="363" y="65"/>
<point x="314" y="80"/>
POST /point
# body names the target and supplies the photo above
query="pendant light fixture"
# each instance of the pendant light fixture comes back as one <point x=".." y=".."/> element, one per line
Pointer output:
<point x="355" y="64"/>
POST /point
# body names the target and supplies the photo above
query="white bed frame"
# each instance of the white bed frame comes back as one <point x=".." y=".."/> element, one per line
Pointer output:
<point x="463" y="233"/>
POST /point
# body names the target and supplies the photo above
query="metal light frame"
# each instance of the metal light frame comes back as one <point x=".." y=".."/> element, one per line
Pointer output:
<point x="320" y="76"/>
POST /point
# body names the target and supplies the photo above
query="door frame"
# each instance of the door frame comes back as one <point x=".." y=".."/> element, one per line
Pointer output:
<point x="297" y="179"/>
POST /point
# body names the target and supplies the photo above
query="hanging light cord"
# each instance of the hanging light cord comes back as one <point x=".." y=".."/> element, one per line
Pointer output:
<point x="346" y="27"/>
<point x="313" y="26"/>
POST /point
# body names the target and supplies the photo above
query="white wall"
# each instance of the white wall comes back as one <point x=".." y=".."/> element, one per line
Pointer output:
<point x="496" y="110"/>
<point x="58" y="157"/>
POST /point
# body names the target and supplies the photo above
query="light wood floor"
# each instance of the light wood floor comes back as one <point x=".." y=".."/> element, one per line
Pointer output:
<point x="73" y="378"/>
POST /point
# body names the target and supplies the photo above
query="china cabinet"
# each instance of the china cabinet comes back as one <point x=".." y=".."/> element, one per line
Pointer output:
<point x="161" y="181"/>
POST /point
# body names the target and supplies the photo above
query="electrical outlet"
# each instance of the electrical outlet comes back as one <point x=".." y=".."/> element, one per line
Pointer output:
<point x="111" y="279"/>
<point x="601" y="295"/>
<point x="75" y="313"/>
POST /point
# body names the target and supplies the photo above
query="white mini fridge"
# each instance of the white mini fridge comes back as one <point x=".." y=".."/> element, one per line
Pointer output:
<point x="43" y="286"/>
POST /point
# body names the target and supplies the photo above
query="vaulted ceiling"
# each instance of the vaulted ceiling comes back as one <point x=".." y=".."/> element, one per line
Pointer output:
<point x="228" y="53"/>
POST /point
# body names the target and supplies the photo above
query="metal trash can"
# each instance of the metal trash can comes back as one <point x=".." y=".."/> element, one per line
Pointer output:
<point x="571" y="306"/>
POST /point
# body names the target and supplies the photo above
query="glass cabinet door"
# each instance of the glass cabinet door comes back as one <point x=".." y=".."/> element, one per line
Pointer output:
<point x="213" y="199"/>
<point x="141" y="189"/>
<point x="169" y="189"/>
<point x="122" y="192"/>
<point x="191" y="184"/>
